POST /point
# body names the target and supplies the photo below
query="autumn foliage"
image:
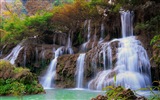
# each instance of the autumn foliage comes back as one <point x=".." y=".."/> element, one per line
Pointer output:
<point x="71" y="15"/>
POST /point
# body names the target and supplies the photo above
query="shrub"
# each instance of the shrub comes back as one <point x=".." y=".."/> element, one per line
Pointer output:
<point x="21" y="82"/>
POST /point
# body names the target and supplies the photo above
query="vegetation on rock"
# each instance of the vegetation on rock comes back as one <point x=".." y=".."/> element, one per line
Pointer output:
<point x="118" y="93"/>
<point x="17" y="80"/>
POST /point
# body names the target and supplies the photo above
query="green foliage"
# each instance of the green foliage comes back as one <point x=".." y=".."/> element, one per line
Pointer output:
<point x="17" y="89"/>
<point x="5" y="64"/>
<point x="39" y="21"/>
<point x="117" y="7"/>
<point x="155" y="39"/>
<point x="119" y="93"/>
<point x="60" y="2"/>
<point x="99" y="2"/>
<point x="154" y="96"/>
<point x="20" y="69"/>
<point x="80" y="39"/>
<point x="15" y="28"/>
<point x="151" y="25"/>
<point x="21" y="82"/>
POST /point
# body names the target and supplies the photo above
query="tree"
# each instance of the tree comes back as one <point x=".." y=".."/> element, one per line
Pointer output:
<point x="33" y="6"/>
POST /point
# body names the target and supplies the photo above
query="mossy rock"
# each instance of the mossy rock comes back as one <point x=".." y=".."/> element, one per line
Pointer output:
<point x="17" y="80"/>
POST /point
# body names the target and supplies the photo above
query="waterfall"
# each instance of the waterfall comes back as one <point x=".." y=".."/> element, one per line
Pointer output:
<point x="80" y="70"/>
<point x="36" y="54"/>
<point x="24" y="57"/>
<point x="69" y="45"/>
<point x="84" y="45"/>
<point x="102" y="32"/>
<point x="14" y="54"/>
<point x="89" y="30"/>
<point x="132" y="67"/>
<point x="127" y="23"/>
<point x="47" y="80"/>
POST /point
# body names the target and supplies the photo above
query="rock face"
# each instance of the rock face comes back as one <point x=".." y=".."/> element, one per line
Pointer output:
<point x="66" y="68"/>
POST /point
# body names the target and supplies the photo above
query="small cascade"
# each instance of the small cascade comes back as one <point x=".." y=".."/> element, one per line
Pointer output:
<point x="54" y="39"/>
<point x="109" y="57"/>
<point x="94" y="39"/>
<point x="42" y="55"/>
<point x="36" y="49"/>
<point x="84" y="45"/>
<point x="132" y="67"/>
<point x="24" y="57"/>
<point x="47" y="80"/>
<point x="89" y="30"/>
<point x="127" y="23"/>
<point x="80" y="70"/>
<point x="102" y="32"/>
<point x="14" y="54"/>
<point x="69" y="46"/>
<point x="1" y="53"/>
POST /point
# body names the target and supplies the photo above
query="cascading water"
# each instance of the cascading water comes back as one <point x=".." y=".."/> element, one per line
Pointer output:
<point x="14" y="54"/>
<point x="69" y="45"/>
<point x="24" y="57"/>
<point x="127" y="23"/>
<point x="132" y="68"/>
<point x="84" y="45"/>
<point x="102" y="32"/>
<point x="107" y="61"/>
<point x="47" y="80"/>
<point x="80" y="70"/>
<point x="89" y="30"/>
<point x="36" y="49"/>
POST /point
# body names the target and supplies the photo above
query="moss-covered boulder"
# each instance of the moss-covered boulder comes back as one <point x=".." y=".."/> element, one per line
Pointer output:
<point x="118" y="93"/>
<point x="17" y="80"/>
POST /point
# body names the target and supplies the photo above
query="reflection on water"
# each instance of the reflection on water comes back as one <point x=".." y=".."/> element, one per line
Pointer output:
<point x="67" y="94"/>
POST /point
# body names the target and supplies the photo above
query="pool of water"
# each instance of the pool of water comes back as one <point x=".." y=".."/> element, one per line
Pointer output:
<point x="59" y="94"/>
<point x="67" y="94"/>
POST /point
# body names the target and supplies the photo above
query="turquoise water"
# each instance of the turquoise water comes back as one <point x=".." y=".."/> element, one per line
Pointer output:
<point x="59" y="94"/>
<point x="67" y="94"/>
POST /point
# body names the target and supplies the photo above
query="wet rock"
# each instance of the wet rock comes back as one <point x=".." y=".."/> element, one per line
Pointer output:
<point x="66" y="68"/>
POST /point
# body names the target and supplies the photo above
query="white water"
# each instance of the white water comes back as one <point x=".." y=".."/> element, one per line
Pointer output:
<point x="24" y="57"/>
<point x="132" y="68"/>
<point x="127" y="23"/>
<point x="80" y="70"/>
<point x="69" y="45"/>
<point x="14" y="54"/>
<point x="102" y="32"/>
<point x="89" y="30"/>
<point x="47" y="80"/>
<point x="85" y="45"/>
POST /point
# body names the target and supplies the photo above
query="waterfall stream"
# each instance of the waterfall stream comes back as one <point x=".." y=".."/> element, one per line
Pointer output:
<point x="47" y="80"/>
<point x="132" y="68"/>
<point x="14" y="54"/>
<point x="80" y="70"/>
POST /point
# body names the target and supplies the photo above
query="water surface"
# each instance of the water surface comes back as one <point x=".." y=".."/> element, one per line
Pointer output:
<point x="68" y="94"/>
<point x="59" y="94"/>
